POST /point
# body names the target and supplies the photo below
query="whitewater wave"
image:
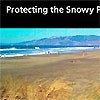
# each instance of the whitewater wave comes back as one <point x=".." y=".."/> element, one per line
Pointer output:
<point x="19" y="55"/>
<point x="80" y="48"/>
<point x="12" y="55"/>
<point x="27" y="54"/>
<point x="37" y="47"/>
<point x="69" y="49"/>
<point x="38" y="51"/>
<point x="73" y="48"/>
<point x="8" y="49"/>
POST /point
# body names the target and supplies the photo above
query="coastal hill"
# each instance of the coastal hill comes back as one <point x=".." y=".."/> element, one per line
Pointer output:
<point x="78" y="40"/>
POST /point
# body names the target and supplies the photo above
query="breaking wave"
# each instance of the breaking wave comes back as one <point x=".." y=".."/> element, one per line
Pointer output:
<point x="15" y="52"/>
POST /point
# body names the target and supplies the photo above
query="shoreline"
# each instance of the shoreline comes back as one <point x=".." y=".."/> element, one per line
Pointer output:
<point x="81" y="51"/>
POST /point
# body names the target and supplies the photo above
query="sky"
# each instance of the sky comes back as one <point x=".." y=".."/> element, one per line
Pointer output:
<point x="14" y="35"/>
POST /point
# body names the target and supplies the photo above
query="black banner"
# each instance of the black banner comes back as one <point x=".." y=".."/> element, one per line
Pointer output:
<point x="50" y="14"/>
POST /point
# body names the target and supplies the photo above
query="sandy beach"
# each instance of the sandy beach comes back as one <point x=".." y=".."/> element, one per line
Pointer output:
<point x="80" y="69"/>
<point x="72" y="66"/>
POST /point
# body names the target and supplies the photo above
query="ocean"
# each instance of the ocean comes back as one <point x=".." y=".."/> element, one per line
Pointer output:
<point x="19" y="50"/>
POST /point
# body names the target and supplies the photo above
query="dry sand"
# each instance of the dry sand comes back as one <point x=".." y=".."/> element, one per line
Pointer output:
<point x="39" y="77"/>
<point x="75" y="66"/>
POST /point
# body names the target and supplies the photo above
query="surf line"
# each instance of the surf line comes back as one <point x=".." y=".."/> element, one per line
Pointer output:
<point x="70" y="9"/>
